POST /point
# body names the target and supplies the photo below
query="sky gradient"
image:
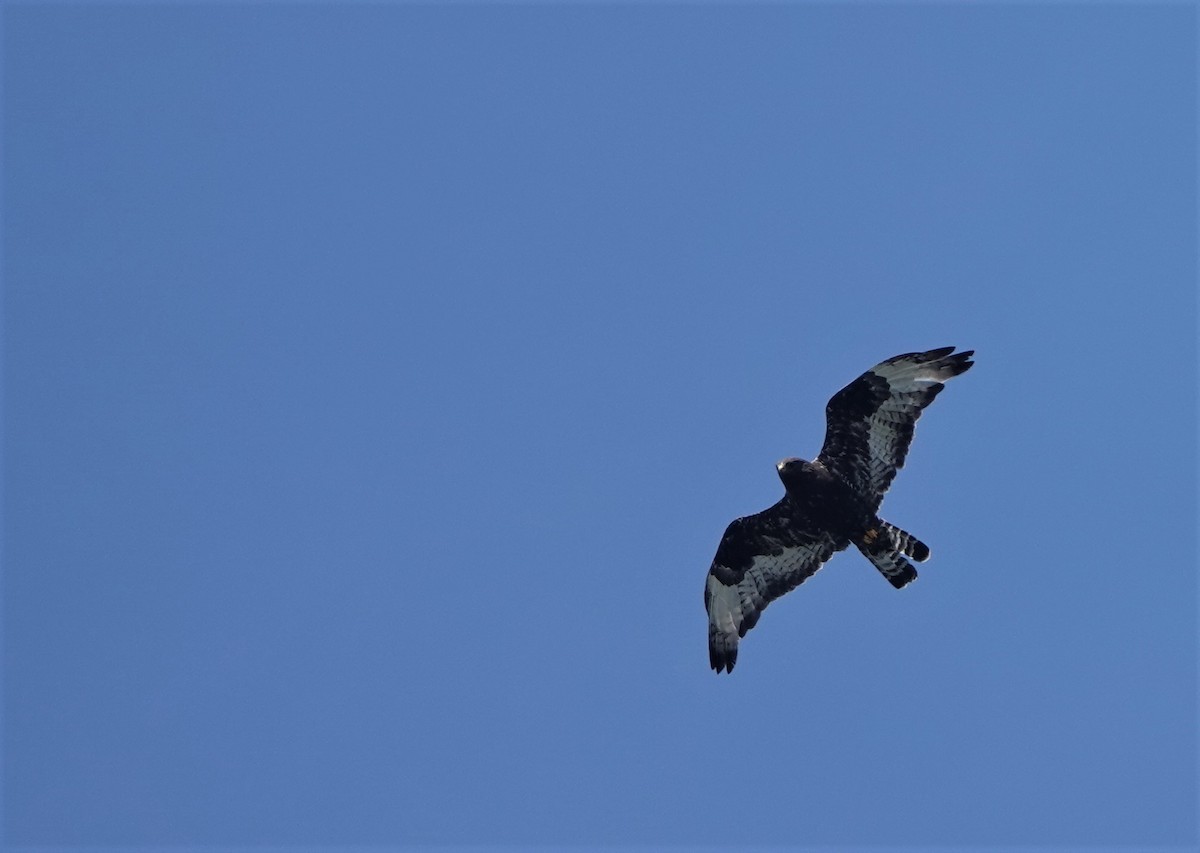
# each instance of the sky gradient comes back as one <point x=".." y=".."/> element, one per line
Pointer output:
<point x="379" y="379"/>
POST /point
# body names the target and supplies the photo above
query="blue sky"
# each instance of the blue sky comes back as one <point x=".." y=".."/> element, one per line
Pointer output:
<point x="379" y="379"/>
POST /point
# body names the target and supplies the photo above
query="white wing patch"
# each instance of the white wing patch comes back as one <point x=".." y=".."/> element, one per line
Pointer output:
<point x="724" y="607"/>
<point x="734" y="609"/>
<point x="871" y="420"/>
<point x="913" y="385"/>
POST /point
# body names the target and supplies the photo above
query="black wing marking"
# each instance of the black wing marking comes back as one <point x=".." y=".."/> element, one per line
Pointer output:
<point x="760" y="558"/>
<point x="869" y="423"/>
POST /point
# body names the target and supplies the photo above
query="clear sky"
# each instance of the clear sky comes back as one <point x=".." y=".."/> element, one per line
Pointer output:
<point x="379" y="379"/>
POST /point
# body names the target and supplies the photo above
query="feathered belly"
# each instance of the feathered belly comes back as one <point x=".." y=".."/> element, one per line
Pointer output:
<point x="833" y="506"/>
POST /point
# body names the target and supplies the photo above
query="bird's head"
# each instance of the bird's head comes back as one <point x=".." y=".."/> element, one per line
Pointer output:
<point x="792" y="470"/>
<point x="791" y="464"/>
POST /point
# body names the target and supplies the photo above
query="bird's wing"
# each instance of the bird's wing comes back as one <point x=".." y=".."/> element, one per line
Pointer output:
<point x="759" y="559"/>
<point x="869" y="423"/>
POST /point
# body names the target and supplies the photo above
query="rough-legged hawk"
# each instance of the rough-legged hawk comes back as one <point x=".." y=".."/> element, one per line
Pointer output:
<point x="831" y="502"/>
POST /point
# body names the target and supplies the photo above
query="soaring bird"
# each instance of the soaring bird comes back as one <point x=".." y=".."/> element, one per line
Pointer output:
<point x="831" y="502"/>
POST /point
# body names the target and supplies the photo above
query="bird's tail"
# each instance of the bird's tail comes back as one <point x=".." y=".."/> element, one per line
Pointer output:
<point x="886" y="545"/>
<point x="909" y="545"/>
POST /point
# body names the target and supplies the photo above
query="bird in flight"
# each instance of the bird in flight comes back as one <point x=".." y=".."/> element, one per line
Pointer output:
<point x="831" y="502"/>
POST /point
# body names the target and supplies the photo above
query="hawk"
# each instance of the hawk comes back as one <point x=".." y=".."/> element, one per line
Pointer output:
<point x="831" y="502"/>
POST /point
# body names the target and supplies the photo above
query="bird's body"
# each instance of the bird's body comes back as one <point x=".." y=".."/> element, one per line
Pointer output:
<point x="831" y="502"/>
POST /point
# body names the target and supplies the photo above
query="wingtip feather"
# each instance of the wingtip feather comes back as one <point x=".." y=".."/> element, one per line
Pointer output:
<point x="721" y="660"/>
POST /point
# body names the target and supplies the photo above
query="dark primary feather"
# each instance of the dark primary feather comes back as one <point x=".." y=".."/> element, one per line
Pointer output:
<point x="869" y="423"/>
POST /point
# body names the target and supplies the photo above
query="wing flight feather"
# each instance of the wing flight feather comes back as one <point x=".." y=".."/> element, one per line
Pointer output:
<point x="869" y="423"/>
<point x="760" y="558"/>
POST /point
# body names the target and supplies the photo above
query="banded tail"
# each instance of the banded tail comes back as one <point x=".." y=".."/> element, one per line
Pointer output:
<point x="908" y="544"/>
<point x="886" y="546"/>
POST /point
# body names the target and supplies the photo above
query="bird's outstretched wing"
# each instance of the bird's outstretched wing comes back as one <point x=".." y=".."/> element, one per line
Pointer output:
<point x="759" y="559"/>
<point x="869" y="423"/>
